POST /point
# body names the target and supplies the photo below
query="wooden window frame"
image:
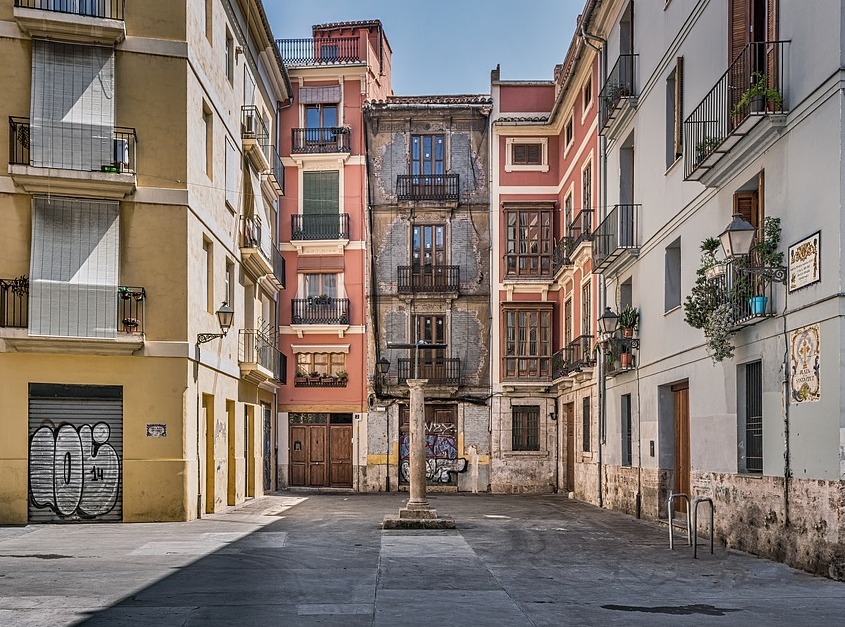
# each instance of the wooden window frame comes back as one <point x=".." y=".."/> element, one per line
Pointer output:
<point x="512" y="166"/>
<point x="535" y="363"/>
<point x="321" y="363"/>
<point x="586" y="425"/>
<point x="525" y="427"/>
<point x="521" y="245"/>
<point x="417" y="162"/>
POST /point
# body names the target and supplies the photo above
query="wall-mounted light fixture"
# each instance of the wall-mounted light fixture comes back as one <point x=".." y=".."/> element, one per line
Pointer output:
<point x="225" y="316"/>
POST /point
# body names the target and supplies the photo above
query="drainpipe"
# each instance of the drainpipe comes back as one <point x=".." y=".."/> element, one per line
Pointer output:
<point x="787" y="469"/>
<point x="587" y="38"/>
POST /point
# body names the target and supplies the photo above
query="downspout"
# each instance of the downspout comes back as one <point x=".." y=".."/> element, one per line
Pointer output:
<point x="787" y="466"/>
<point x="602" y="295"/>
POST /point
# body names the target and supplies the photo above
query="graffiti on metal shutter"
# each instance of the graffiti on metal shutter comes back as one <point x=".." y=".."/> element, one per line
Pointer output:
<point x="74" y="471"/>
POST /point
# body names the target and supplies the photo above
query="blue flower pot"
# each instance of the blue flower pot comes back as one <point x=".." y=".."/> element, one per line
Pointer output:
<point x="758" y="305"/>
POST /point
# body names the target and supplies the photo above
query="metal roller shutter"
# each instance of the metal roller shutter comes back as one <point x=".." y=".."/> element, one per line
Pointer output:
<point x="75" y="454"/>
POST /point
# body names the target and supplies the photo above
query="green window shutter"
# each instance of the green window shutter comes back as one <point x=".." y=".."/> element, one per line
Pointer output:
<point x="320" y="192"/>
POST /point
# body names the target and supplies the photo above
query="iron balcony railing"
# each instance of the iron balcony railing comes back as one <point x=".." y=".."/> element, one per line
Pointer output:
<point x="130" y="306"/>
<point x="323" y="381"/>
<point x="320" y="51"/>
<point x="429" y="279"/>
<point x="438" y="370"/>
<point x="320" y="226"/>
<point x="320" y="310"/>
<point x="282" y="376"/>
<point x="560" y="362"/>
<point x="579" y="354"/>
<point x="616" y="235"/>
<point x="14" y="302"/>
<point x="561" y="255"/>
<point x="747" y="295"/>
<point x="618" y="88"/>
<point x="256" y="348"/>
<point x="123" y="156"/>
<point x="443" y="187"/>
<point x="320" y="140"/>
<point x="752" y="86"/>
<point x="279" y="268"/>
<point x="581" y="228"/>
<point x="277" y="170"/>
<point x="108" y="9"/>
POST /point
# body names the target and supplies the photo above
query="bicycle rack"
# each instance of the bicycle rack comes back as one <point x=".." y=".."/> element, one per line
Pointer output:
<point x="695" y="503"/>
<point x="672" y="497"/>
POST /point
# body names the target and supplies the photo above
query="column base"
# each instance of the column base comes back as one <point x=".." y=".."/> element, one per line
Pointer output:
<point x="410" y="520"/>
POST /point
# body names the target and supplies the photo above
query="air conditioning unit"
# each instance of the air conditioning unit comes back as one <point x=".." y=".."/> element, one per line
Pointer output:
<point x="249" y="124"/>
<point x="121" y="154"/>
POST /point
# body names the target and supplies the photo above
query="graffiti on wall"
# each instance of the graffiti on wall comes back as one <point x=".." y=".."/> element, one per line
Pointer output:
<point x="441" y="453"/>
<point x="74" y="470"/>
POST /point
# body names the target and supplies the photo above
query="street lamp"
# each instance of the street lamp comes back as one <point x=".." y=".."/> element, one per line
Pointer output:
<point x="225" y="316"/>
<point x="607" y="322"/>
<point x="737" y="240"/>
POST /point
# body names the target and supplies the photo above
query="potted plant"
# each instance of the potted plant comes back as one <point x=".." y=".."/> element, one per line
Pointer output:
<point x="322" y="299"/>
<point x="130" y="325"/>
<point x="629" y="317"/>
<point x="757" y="97"/>
<point x="626" y="358"/>
<point x="301" y="377"/>
<point x="704" y="147"/>
<point x="707" y="306"/>
<point x="765" y="252"/>
<point x="314" y="377"/>
<point x="713" y="267"/>
<point x="343" y="376"/>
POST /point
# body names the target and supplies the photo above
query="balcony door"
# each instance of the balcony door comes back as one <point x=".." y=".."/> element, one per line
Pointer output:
<point x="431" y="328"/>
<point x="428" y="253"/>
<point x="320" y="205"/>
<point x="321" y="124"/>
<point x="427" y="155"/>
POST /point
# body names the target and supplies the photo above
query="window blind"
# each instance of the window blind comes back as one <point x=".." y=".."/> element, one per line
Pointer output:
<point x="320" y="192"/>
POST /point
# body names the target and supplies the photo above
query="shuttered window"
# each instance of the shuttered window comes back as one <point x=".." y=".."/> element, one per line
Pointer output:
<point x="233" y="175"/>
<point x="74" y="265"/>
<point x="527" y="154"/>
<point x="585" y="424"/>
<point x="526" y="428"/>
<point x="72" y="106"/>
<point x="320" y="194"/>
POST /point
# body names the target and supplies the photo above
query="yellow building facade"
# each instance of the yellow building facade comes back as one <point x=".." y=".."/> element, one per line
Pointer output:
<point x="140" y="195"/>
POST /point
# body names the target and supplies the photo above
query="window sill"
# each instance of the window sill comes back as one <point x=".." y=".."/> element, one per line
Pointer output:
<point x="673" y="310"/>
<point x="674" y="164"/>
<point x="526" y="454"/>
<point x="527" y="168"/>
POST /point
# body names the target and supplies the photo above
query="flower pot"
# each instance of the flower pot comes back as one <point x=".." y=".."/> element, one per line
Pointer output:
<point x="626" y="360"/>
<point x="627" y="331"/>
<point x="758" y="305"/>
<point x="758" y="104"/>
<point x="714" y="272"/>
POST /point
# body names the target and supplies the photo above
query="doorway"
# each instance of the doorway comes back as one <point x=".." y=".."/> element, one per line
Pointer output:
<point x="320" y="450"/>
<point x="680" y="397"/>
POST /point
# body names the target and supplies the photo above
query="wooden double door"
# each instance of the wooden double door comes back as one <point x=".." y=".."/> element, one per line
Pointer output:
<point x="321" y="451"/>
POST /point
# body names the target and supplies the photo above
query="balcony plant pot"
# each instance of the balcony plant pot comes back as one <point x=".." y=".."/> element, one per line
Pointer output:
<point x="629" y="317"/>
<point x="758" y="305"/>
<point x="716" y="271"/>
<point x="626" y="360"/>
<point x="130" y="325"/>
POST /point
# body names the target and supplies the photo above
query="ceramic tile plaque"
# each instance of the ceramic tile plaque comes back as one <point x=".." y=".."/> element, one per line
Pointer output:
<point x="805" y="262"/>
<point x="805" y="365"/>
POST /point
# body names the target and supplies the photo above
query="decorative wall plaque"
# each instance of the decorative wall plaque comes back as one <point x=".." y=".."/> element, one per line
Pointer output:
<point x="805" y="365"/>
<point x="805" y="262"/>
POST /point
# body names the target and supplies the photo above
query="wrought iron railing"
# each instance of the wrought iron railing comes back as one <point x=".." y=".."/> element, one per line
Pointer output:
<point x="319" y="51"/>
<point x="14" y="302"/>
<point x="282" y="369"/>
<point x="130" y="308"/>
<point x="254" y="347"/>
<point x="277" y="170"/>
<point x="124" y="147"/>
<point x="320" y="382"/>
<point x="581" y="228"/>
<point x="108" y="9"/>
<point x="560" y="362"/>
<point x="438" y="370"/>
<point x="618" y="233"/>
<point x="253" y="127"/>
<point x="320" y="226"/>
<point x="279" y="268"/>
<point x="428" y="187"/>
<point x="428" y="279"/>
<point x="320" y="140"/>
<point x="320" y="310"/>
<point x="561" y="255"/>
<point x="753" y="85"/>
<point x="747" y="295"/>
<point x="579" y="353"/>
<point x="618" y="88"/>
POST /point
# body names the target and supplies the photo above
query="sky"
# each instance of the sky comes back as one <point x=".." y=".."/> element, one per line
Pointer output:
<point x="448" y="46"/>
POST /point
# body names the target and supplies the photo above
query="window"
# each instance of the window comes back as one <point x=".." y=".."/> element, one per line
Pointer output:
<point x="430" y="328"/>
<point x="233" y="172"/>
<point x="672" y="284"/>
<point x="230" y="57"/>
<point x="748" y="202"/>
<point x="587" y="186"/>
<point x="208" y="274"/>
<point x="750" y="403"/>
<point x="625" y="414"/>
<point x="321" y="124"/>
<point x="568" y="133"/>
<point x="428" y="245"/>
<point x="320" y="285"/>
<point x="587" y="95"/>
<point x="586" y="309"/>
<point x="526" y="153"/>
<point x="585" y="424"/>
<point x="229" y="288"/>
<point x="529" y="242"/>
<point x="528" y="343"/>
<point x="427" y="154"/>
<point x="568" y="216"/>
<point x="208" y="122"/>
<point x="675" y="113"/>
<point x="567" y="322"/>
<point x="526" y="428"/>
<point x="321" y="192"/>
<point x="321" y="363"/>
<point x="209" y="8"/>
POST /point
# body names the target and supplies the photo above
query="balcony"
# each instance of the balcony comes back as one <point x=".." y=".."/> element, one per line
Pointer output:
<point x="259" y="360"/>
<point x="318" y="141"/>
<point x="747" y="106"/>
<point x="622" y="355"/>
<point x="109" y="175"/>
<point x="330" y="226"/>
<point x="128" y="327"/>
<point x="436" y="187"/>
<point x="577" y="232"/>
<point x="618" y="97"/>
<point x="529" y="369"/>
<point x="438" y="370"/>
<point x="320" y="381"/>
<point x="320" y="314"/>
<point x="429" y="279"/>
<point x="256" y="138"/>
<point x="617" y="238"/>
<point x="321" y="51"/>
<point x="276" y="173"/>
<point x="748" y="296"/>
<point x="259" y="254"/>
<point x="76" y="21"/>
<point x="573" y="358"/>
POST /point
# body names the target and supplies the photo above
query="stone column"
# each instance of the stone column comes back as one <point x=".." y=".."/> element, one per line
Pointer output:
<point x="417" y="506"/>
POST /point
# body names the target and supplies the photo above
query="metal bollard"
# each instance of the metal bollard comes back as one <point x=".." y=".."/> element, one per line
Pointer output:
<point x="672" y="497"/>
<point x="696" y="502"/>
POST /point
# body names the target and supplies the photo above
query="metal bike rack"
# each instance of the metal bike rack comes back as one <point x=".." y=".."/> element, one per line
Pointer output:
<point x="672" y="497"/>
<point x="695" y="503"/>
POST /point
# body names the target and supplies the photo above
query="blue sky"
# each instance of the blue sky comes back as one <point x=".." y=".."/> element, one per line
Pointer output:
<point x="448" y="46"/>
